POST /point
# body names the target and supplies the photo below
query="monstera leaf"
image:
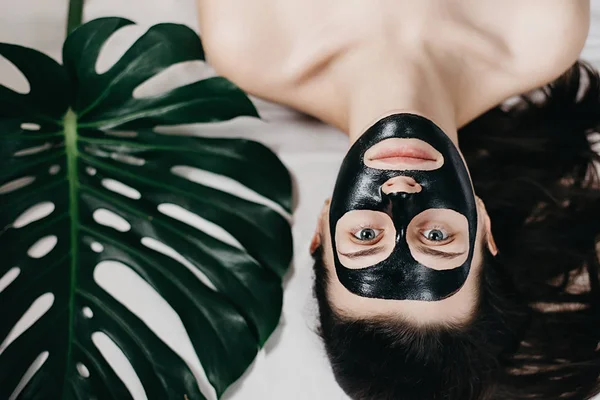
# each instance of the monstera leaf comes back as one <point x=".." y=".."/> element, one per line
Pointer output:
<point x="79" y="144"/>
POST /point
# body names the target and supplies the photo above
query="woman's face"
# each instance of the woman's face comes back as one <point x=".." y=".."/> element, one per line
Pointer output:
<point x="436" y="237"/>
<point x="404" y="230"/>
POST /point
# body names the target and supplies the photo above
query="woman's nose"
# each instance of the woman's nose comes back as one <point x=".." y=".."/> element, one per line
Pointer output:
<point x="401" y="184"/>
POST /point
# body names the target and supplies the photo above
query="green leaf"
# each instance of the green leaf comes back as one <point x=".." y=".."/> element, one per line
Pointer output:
<point x="68" y="162"/>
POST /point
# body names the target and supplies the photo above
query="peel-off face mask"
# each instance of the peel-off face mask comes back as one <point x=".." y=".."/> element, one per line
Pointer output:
<point x="359" y="187"/>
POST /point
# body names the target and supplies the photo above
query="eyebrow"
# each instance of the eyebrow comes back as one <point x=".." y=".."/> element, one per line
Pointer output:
<point x="437" y="253"/>
<point x="368" y="252"/>
<point x="422" y="249"/>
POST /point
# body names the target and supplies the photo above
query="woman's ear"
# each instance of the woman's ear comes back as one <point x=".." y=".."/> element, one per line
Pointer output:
<point x="491" y="243"/>
<point x="316" y="240"/>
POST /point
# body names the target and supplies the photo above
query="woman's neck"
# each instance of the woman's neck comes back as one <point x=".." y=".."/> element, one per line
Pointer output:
<point x="398" y="86"/>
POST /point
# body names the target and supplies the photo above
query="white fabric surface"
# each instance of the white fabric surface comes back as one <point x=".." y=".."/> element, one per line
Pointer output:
<point x="293" y="365"/>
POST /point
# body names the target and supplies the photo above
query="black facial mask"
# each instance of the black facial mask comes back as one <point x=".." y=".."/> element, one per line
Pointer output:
<point x="358" y="187"/>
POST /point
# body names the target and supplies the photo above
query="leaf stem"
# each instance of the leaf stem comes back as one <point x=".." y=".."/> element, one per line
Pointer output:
<point x="75" y="15"/>
<point x="70" y="127"/>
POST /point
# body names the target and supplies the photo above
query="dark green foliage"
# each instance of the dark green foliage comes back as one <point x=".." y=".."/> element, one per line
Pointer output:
<point x="78" y="112"/>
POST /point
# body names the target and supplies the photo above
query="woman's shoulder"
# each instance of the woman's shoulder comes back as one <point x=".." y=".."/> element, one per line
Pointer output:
<point x="265" y="43"/>
<point x="543" y="37"/>
<point x="534" y="42"/>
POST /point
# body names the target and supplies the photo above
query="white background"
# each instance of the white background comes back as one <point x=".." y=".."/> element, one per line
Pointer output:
<point x="293" y="364"/>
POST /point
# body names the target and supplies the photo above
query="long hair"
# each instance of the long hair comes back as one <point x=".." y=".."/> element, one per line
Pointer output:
<point x="536" y="329"/>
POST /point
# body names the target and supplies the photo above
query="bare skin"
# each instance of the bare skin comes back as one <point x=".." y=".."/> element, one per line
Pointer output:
<point x="314" y="55"/>
<point x="351" y="62"/>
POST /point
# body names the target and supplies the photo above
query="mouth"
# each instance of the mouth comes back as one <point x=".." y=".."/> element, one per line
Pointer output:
<point x="402" y="154"/>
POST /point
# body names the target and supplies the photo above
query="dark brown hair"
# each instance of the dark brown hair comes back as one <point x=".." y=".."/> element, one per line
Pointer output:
<point x="536" y="329"/>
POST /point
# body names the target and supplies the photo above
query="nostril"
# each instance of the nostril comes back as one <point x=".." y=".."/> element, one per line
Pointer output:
<point x="401" y="184"/>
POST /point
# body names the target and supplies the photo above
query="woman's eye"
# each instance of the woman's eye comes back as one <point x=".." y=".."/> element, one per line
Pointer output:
<point x="367" y="234"/>
<point x="435" y="235"/>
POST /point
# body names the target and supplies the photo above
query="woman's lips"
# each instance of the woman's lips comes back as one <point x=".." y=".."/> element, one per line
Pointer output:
<point x="397" y="153"/>
<point x="402" y="153"/>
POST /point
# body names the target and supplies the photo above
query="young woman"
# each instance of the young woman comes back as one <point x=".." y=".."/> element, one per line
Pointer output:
<point x="442" y="271"/>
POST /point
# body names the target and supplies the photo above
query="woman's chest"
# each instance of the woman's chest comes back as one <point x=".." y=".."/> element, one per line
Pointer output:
<point x="276" y="49"/>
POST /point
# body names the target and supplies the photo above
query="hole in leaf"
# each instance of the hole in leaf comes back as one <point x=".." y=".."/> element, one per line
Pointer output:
<point x="87" y="312"/>
<point x="181" y="214"/>
<point x="9" y="277"/>
<point x="33" y="150"/>
<point x="31" y="371"/>
<point x="175" y="76"/>
<point x="226" y="184"/>
<point x="120" y="364"/>
<point x="128" y="159"/>
<point x="42" y="247"/>
<point x="170" y="252"/>
<point x="34" y="213"/>
<point x="97" y="247"/>
<point x="82" y="370"/>
<point x="29" y="126"/>
<point x="97" y="152"/>
<point x="16" y="184"/>
<point x="116" y="46"/>
<point x="12" y="78"/>
<point x="124" y="134"/>
<point x="110" y="219"/>
<point x="121" y="188"/>
<point x="54" y="169"/>
<point x="127" y="287"/>
<point x="38" y="308"/>
<point x="90" y="171"/>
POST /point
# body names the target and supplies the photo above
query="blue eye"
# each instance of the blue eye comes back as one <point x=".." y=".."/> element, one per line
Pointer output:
<point x="367" y="234"/>
<point x="435" y="235"/>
